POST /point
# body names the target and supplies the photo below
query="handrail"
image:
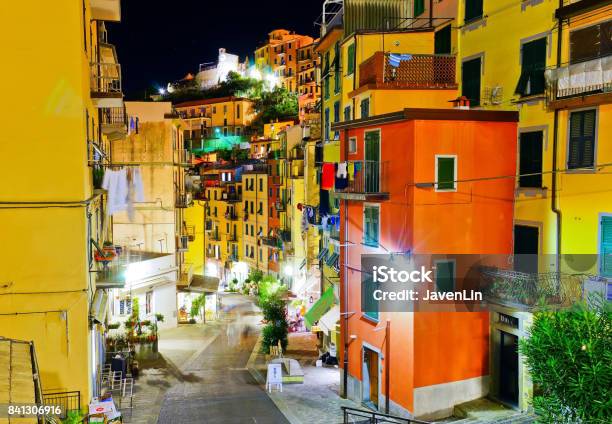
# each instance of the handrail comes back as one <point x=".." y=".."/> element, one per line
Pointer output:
<point x="375" y="417"/>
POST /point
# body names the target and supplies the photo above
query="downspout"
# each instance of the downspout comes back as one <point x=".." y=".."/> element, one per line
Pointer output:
<point x="430" y="13"/>
<point x="387" y="365"/>
<point x="345" y="283"/>
<point x="555" y="209"/>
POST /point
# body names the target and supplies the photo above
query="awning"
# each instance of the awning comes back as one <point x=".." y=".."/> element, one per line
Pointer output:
<point x="203" y="284"/>
<point x="99" y="305"/>
<point x="330" y="319"/>
<point x="320" y="307"/>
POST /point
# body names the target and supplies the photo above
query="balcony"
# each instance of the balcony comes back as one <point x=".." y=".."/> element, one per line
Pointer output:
<point x="183" y="200"/>
<point x="214" y="236"/>
<point x="182" y="157"/>
<point x="527" y="291"/>
<point x="106" y="10"/>
<point x="210" y="253"/>
<point x="186" y="275"/>
<point x="231" y="197"/>
<point x="285" y="235"/>
<point x="231" y="216"/>
<point x="411" y="71"/>
<point x="114" y="265"/>
<point x="580" y="84"/>
<point x="182" y="243"/>
<point x="369" y="181"/>
<point x="273" y="242"/>
<point x="106" y="91"/>
<point x="280" y="206"/>
<point x="114" y="123"/>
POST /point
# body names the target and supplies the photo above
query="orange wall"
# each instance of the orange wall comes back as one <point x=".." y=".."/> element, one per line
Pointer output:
<point x="432" y="348"/>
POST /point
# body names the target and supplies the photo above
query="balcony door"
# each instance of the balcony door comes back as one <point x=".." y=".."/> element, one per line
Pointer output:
<point x="508" y="368"/>
<point x="372" y="162"/>
<point x="526" y="247"/>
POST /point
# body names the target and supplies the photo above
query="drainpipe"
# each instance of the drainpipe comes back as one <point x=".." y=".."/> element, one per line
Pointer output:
<point x="555" y="209"/>
<point x="387" y="365"/>
<point x="430" y="13"/>
<point x="345" y="283"/>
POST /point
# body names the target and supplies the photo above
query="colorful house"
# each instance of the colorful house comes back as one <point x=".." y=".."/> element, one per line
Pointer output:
<point x="418" y="183"/>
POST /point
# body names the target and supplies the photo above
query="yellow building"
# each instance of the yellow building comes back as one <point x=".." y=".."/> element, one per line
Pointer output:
<point x="52" y="290"/>
<point x="213" y="124"/>
<point x="255" y="218"/>
<point x="563" y="203"/>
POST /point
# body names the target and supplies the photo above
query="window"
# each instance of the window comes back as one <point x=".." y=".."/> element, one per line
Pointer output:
<point x="327" y="124"/>
<point x="526" y="247"/>
<point x="125" y="307"/>
<point x="365" y="108"/>
<point x="260" y="184"/>
<point x="581" y="149"/>
<point x="347" y="113"/>
<point x="591" y="42"/>
<point x="252" y="207"/>
<point x="237" y="111"/>
<point x="473" y="10"/>
<point x="260" y="210"/>
<point x="260" y="255"/>
<point x="224" y="108"/>
<point x="446" y="172"/>
<point x="470" y="80"/>
<point x="336" y="111"/>
<point x="369" y="304"/>
<point x="337" y="68"/>
<point x="214" y="109"/>
<point x="271" y="212"/>
<point x="605" y="247"/>
<point x="148" y="302"/>
<point x="371" y="225"/>
<point x="350" y="59"/>
<point x="530" y="159"/>
<point x="445" y="276"/>
<point x="442" y="41"/>
<point x="326" y="87"/>
<point x="238" y="131"/>
<point x="533" y="61"/>
<point x="419" y="7"/>
<point x="352" y="147"/>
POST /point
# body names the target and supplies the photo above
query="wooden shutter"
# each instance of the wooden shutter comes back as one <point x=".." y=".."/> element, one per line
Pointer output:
<point x="446" y="173"/>
<point x="350" y="66"/>
<point x="533" y="65"/>
<point x="442" y="41"/>
<point x="530" y="159"/>
<point x="419" y="7"/>
<point x="473" y="10"/>
<point x="371" y="225"/>
<point x="581" y="149"/>
<point x="605" y="249"/>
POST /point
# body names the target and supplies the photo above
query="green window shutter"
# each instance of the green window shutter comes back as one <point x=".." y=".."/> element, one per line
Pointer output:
<point x="445" y="276"/>
<point x="326" y="86"/>
<point x="442" y="41"/>
<point x="605" y="248"/>
<point x="473" y="10"/>
<point x="369" y="305"/>
<point x="350" y="66"/>
<point x="470" y="80"/>
<point x="581" y="149"/>
<point x="371" y="220"/>
<point x="337" y="81"/>
<point x="419" y="7"/>
<point x="533" y="65"/>
<point x="446" y="174"/>
<point x="365" y="108"/>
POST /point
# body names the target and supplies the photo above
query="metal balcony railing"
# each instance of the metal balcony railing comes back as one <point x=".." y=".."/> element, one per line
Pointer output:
<point x="353" y="415"/>
<point x="589" y="77"/>
<point x="415" y="71"/>
<point x="114" y="116"/>
<point x="106" y="79"/>
<point x="285" y="235"/>
<point x="529" y="290"/>
<point x="369" y="180"/>
<point x="231" y="197"/>
<point x="271" y="242"/>
<point x="182" y="200"/>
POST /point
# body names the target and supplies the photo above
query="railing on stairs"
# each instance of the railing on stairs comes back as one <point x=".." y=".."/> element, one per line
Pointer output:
<point x="362" y="416"/>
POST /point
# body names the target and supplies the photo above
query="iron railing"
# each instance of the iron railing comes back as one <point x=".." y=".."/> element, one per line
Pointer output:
<point x="361" y="416"/>
<point x="270" y="242"/>
<point x="68" y="401"/>
<point x="531" y="290"/>
<point x="231" y="197"/>
<point x="114" y="116"/>
<point x="416" y="71"/>
<point x="578" y="79"/>
<point x="106" y="78"/>
<point x="369" y="177"/>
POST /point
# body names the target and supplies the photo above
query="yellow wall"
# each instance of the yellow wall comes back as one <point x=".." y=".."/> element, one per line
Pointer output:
<point x="258" y="221"/>
<point x="44" y="251"/>
<point x="387" y="101"/>
<point x="194" y="216"/>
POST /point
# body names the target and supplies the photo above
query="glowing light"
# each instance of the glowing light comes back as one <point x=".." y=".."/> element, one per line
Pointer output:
<point x="211" y="269"/>
<point x="161" y="91"/>
<point x="272" y="80"/>
<point x="255" y="74"/>
<point x="288" y="270"/>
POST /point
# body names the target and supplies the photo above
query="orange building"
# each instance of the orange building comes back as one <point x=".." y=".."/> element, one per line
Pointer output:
<point x="307" y="87"/>
<point x="279" y="55"/>
<point x="419" y="183"/>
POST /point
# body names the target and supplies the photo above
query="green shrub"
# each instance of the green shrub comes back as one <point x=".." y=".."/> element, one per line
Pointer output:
<point x="569" y="356"/>
<point x="277" y="328"/>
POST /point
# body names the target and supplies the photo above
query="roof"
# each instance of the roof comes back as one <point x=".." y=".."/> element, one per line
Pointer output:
<point x="204" y="284"/>
<point x="18" y="382"/>
<point x="410" y="114"/>
<point x="210" y="101"/>
<point x="333" y="34"/>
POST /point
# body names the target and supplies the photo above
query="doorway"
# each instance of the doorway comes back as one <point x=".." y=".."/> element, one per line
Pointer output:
<point x="372" y="162"/>
<point x="508" y="368"/>
<point x="370" y="378"/>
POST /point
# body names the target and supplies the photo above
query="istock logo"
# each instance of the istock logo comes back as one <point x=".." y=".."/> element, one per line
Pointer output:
<point x="383" y="274"/>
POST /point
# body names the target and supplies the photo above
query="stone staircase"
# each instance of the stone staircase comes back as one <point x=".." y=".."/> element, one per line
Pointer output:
<point x="483" y="411"/>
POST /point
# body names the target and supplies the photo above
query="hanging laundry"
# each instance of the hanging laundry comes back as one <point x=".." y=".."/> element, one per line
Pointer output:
<point x="342" y="170"/>
<point x="324" y="222"/>
<point x="304" y="221"/>
<point x="312" y="216"/>
<point x="351" y="171"/>
<point x="341" y="178"/>
<point x="327" y="177"/>
<point x="138" y="186"/>
<point x="323" y="202"/>
<point x="396" y="59"/>
<point x="116" y="185"/>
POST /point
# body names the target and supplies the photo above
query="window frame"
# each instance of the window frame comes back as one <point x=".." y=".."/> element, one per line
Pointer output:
<point x="445" y="261"/>
<point x="455" y="178"/>
<point x="375" y="206"/>
<point x="355" y="149"/>
<point x="593" y="168"/>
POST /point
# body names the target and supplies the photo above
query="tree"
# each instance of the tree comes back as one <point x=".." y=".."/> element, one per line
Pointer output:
<point x="278" y="104"/>
<point x="569" y="356"/>
<point x="277" y="328"/>
<point x="198" y="307"/>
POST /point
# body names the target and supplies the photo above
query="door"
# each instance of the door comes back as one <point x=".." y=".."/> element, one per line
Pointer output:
<point x="372" y="162"/>
<point x="526" y="242"/>
<point x="370" y="378"/>
<point x="508" y="368"/>
<point x="530" y="163"/>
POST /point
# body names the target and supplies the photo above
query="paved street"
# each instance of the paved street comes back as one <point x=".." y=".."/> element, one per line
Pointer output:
<point x="213" y="385"/>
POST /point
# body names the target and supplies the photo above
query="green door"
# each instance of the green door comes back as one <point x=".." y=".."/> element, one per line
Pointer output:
<point x="372" y="162"/>
<point x="605" y="249"/>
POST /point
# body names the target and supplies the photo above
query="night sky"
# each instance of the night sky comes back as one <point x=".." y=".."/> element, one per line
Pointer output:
<point x="160" y="41"/>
